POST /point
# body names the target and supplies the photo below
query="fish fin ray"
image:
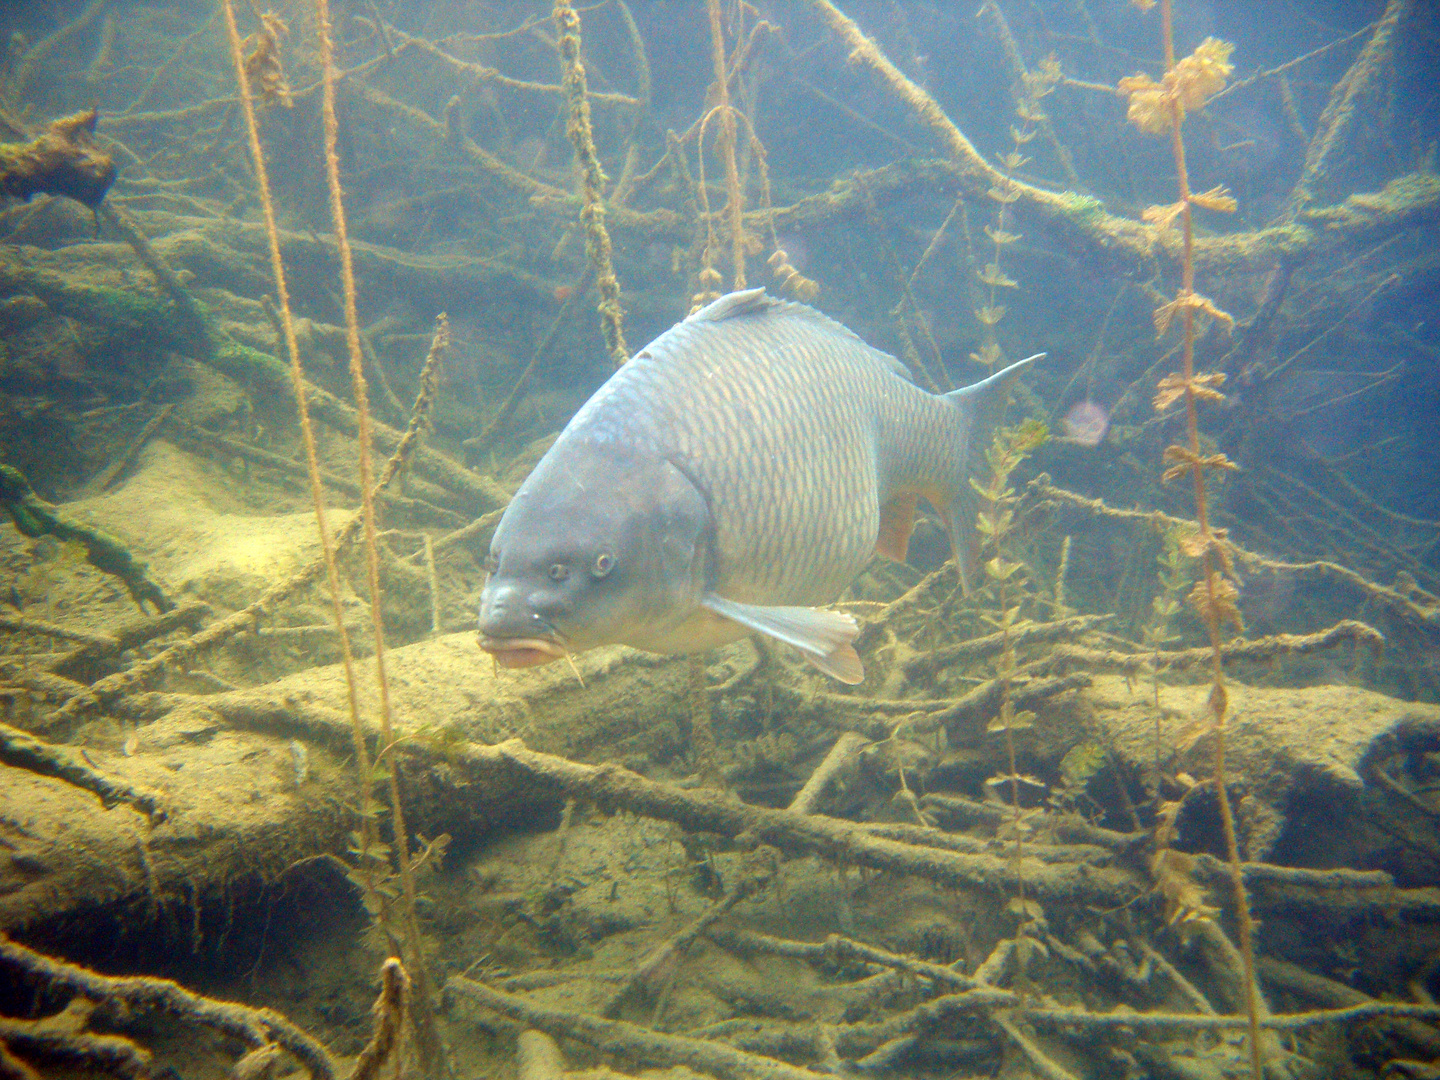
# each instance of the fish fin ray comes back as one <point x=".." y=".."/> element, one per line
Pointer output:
<point x="759" y="303"/>
<point x="823" y="637"/>
<point x="897" y="519"/>
<point x="982" y="405"/>
<point x="745" y="302"/>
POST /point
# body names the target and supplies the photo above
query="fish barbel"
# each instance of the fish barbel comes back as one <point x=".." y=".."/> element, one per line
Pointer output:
<point x="735" y="474"/>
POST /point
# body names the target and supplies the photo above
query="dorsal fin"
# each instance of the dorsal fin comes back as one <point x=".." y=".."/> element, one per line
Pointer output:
<point x="757" y="302"/>
<point x="745" y="302"/>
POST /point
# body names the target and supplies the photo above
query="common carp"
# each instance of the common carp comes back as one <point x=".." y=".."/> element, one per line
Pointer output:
<point x="738" y="471"/>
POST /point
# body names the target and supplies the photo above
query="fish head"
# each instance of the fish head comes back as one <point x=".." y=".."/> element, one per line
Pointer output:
<point x="601" y="545"/>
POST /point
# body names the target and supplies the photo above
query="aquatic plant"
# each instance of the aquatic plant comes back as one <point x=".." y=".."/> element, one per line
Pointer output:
<point x="369" y="852"/>
<point x="1036" y="86"/>
<point x="727" y="116"/>
<point x="1159" y="108"/>
<point x="592" y="183"/>
<point x="428" y="1047"/>
<point x="190" y="194"/>
<point x="1006" y="584"/>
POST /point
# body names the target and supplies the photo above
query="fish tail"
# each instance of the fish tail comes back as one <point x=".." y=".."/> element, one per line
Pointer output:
<point x="981" y="406"/>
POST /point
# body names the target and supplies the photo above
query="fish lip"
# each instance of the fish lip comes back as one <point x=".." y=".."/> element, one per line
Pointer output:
<point x="518" y="652"/>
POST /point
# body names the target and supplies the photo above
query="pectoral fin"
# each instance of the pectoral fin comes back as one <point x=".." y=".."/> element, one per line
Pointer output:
<point x="823" y="637"/>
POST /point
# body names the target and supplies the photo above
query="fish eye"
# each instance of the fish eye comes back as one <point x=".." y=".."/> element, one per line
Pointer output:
<point x="559" y="571"/>
<point x="604" y="563"/>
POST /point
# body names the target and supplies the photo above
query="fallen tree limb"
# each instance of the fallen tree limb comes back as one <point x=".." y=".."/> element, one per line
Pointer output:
<point x="1041" y="491"/>
<point x="122" y="682"/>
<point x="613" y="787"/>
<point x="21" y="750"/>
<point x="58" y="1040"/>
<point x="839" y="951"/>
<point x="978" y="648"/>
<point x="33" y="516"/>
<point x="253" y="1027"/>
<point x="61" y="160"/>
<point x="984" y="701"/>
<point x="198" y="440"/>
<point x="145" y="315"/>
<point x="628" y="1042"/>
<point x="1255" y="650"/>
<point x="130" y="635"/>
<point x="18" y="624"/>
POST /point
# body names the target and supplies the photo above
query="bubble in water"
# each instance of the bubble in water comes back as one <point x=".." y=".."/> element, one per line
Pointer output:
<point x="1087" y="423"/>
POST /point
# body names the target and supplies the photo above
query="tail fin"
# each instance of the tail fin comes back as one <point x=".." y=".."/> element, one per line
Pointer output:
<point x="981" y="407"/>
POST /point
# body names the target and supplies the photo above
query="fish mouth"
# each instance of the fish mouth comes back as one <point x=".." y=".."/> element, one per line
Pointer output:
<point x="522" y="652"/>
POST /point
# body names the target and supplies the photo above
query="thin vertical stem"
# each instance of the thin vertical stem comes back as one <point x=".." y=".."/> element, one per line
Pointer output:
<point x="592" y="182"/>
<point x="307" y="434"/>
<point x="427" y="1042"/>
<point x="725" y="145"/>
<point x="1218" y="696"/>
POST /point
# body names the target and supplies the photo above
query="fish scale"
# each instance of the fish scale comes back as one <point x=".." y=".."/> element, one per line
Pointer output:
<point x="739" y="470"/>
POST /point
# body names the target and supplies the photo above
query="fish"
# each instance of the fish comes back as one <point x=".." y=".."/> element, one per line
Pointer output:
<point x="733" y="478"/>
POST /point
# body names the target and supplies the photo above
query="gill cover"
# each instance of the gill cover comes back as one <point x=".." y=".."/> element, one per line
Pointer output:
<point x="604" y="542"/>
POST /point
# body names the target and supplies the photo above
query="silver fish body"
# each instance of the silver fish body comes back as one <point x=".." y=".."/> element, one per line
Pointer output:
<point x="739" y="471"/>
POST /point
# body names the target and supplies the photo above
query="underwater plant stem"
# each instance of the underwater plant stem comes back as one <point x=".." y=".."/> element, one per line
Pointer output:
<point x="307" y="433"/>
<point x="1025" y="97"/>
<point x="592" y="183"/>
<point x="1007" y="716"/>
<point x="1211" y="616"/>
<point x="725" y="146"/>
<point x="389" y="1012"/>
<point x="427" y="1040"/>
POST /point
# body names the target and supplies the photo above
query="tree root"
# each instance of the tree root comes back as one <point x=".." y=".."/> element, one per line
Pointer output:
<point x="628" y="1042"/>
<point x="1040" y="491"/>
<point x="62" y="160"/>
<point x="33" y="516"/>
<point x="22" y="750"/>
<point x="1254" y="650"/>
<point x="254" y="1027"/>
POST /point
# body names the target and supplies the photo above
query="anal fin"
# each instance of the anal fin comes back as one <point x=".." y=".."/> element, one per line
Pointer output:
<point x="897" y="519"/>
<point x="825" y="638"/>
